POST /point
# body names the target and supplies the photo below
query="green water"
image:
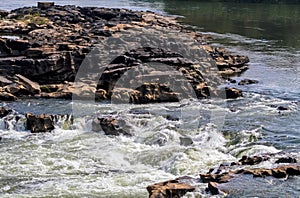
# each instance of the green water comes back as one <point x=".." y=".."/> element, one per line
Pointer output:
<point x="279" y="22"/>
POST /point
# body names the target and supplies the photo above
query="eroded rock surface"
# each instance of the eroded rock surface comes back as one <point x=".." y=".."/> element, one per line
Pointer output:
<point x="54" y="40"/>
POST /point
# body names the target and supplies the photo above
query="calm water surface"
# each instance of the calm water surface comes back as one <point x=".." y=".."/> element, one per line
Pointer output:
<point x="86" y="164"/>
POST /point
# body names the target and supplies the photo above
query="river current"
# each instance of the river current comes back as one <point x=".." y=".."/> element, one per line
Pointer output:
<point x="76" y="162"/>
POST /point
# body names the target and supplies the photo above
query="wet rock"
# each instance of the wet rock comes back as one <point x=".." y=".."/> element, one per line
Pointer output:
<point x="4" y="96"/>
<point x="286" y="160"/>
<point x="212" y="187"/>
<point x="39" y="123"/>
<point x="247" y="82"/>
<point x="232" y="93"/>
<point x="282" y="108"/>
<point x="186" y="141"/>
<point x="252" y="160"/>
<point x="4" y="112"/>
<point x="171" y="188"/>
<point x="231" y="80"/>
<point x="111" y="126"/>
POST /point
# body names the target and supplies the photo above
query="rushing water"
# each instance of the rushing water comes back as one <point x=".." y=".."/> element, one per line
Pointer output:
<point x="81" y="163"/>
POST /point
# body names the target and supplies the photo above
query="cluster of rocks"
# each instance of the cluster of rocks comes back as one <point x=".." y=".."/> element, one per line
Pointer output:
<point x="52" y="42"/>
<point x="35" y="123"/>
<point x="284" y="167"/>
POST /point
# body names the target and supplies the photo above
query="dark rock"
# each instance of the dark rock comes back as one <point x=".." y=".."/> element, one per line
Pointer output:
<point x="39" y="123"/>
<point x="111" y="126"/>
<point x="45" y="5"/>
<point x="154" y="92"/>
<point x="286" y="160"/>
<point x="4" y="96"/>
<point x="4" y="49"/>
<point x="252" y="160"/>
<point x="282" y="108"/>
<point x="18" y="45"/>
<point x="231" y="80"/>
<point x="4" y="112"/>
<point x="32" y="87"/>
<point x="213" y="188"/>
<point x="232" y="93"/>
<point x="247" y="82"/>
<point x="3" y="13"/>
<point x="168" y="189"/>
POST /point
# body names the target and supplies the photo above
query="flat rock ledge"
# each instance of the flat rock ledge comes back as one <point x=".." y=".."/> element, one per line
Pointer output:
<point x="50" y="42"/>
<point x="283" y="166"/>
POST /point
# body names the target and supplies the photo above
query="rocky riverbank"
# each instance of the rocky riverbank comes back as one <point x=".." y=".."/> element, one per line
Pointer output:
<point x="220" y="178"/>
<point x="42" y="49"/>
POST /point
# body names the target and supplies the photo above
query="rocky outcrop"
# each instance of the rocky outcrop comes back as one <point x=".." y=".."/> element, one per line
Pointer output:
<point x="284" y="167"/>
<point x="227" y="63"/>
<point x="54" y="40"/>
<point x="39" y="123"/>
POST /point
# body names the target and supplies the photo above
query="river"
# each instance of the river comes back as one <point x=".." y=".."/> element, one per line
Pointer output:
<point x="81" y="163"/>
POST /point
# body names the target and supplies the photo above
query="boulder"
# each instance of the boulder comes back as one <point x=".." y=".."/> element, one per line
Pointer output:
<point x="111" y="126"/>
<point x="39" y="123"/>
<point x="232" y="93"/>
<point x="4" y="112"/>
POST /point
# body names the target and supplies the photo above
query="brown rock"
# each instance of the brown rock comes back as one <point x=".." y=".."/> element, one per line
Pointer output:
<point x="4" y="81"/>
<point x="39" y="123"/>
<point x="154" y="92"/>
<point x="4" y="96"/>
<point x="32" y="87"/>
<point x="168" y="189"/>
